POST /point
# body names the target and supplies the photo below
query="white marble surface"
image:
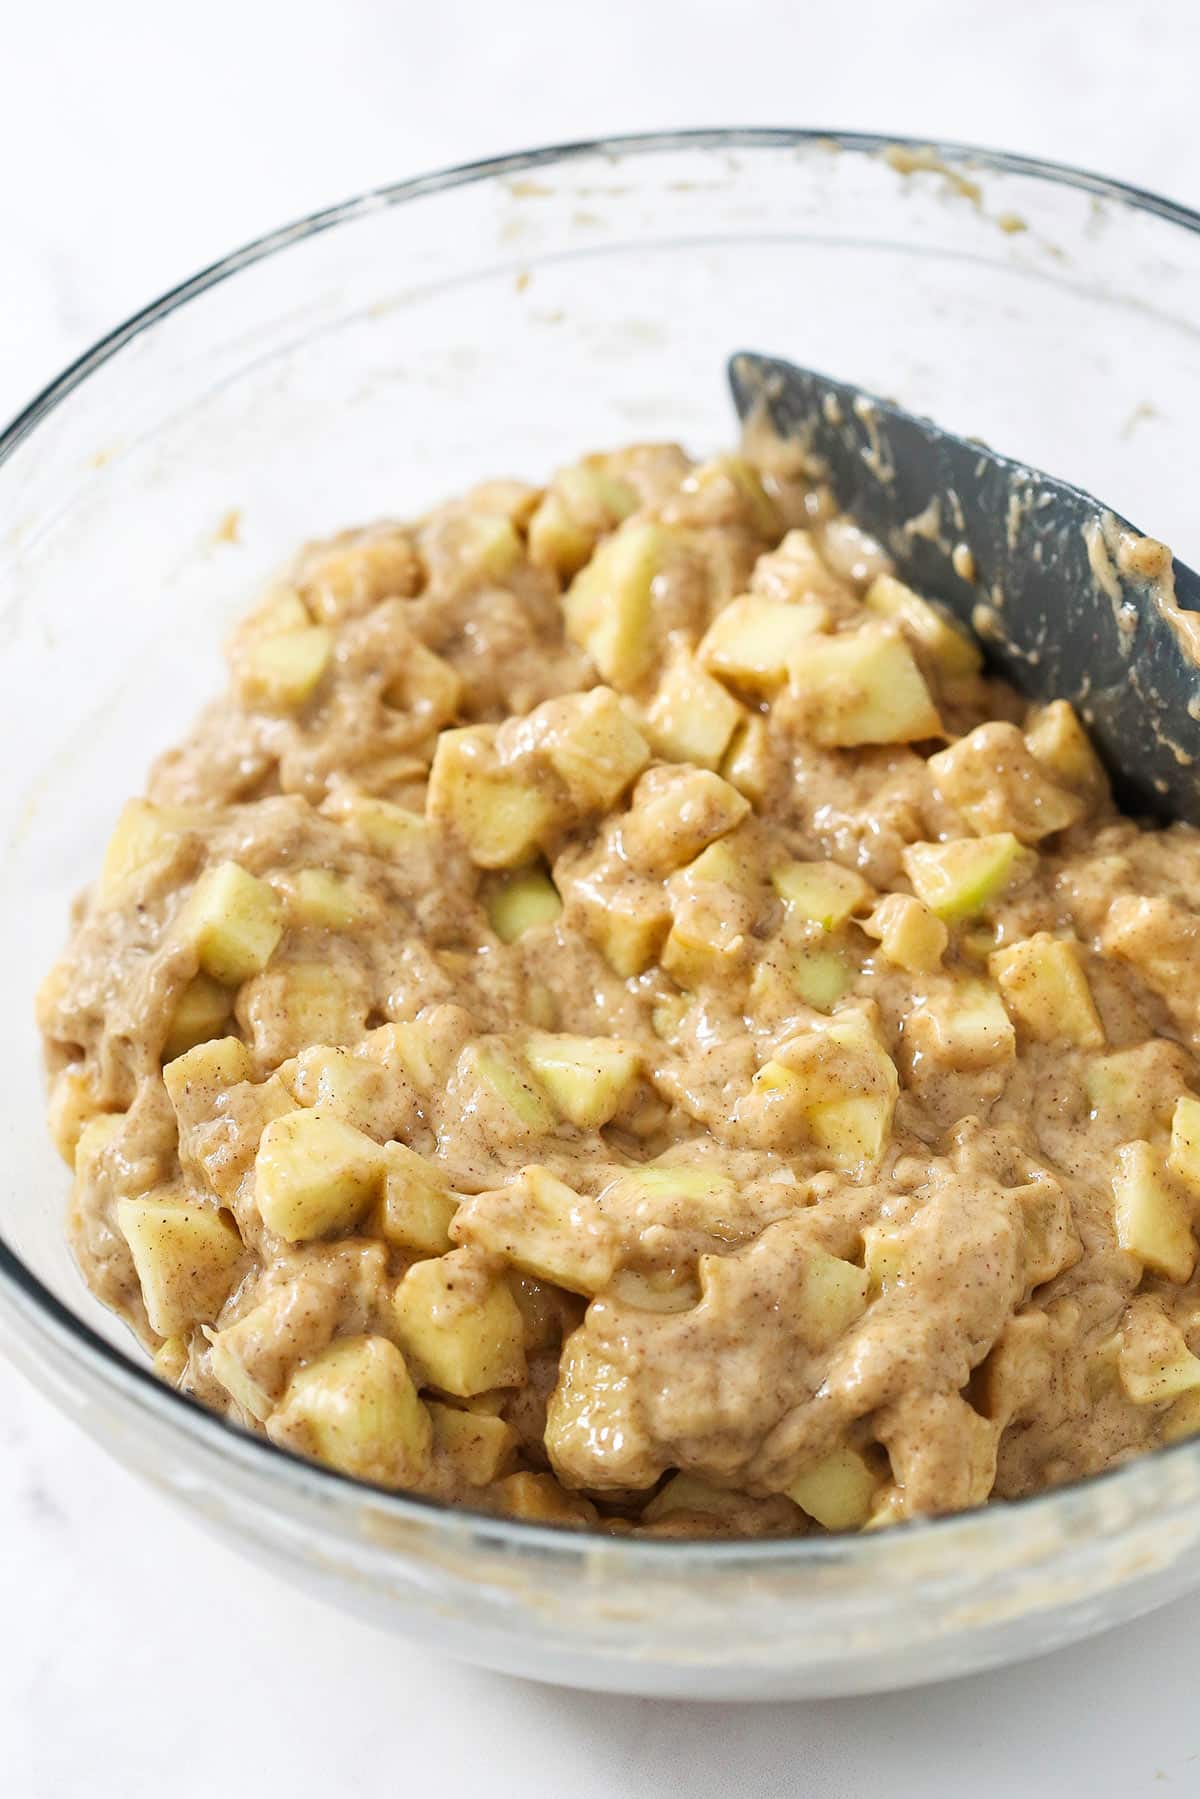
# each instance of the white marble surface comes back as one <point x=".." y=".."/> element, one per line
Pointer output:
<point x="137" y="141"/>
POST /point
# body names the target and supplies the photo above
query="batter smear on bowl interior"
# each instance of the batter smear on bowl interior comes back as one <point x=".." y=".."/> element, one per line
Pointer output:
<point x="615" y="1019"/>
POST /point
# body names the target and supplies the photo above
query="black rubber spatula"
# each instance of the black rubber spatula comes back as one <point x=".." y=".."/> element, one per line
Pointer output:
<point x="1060" y="612"/>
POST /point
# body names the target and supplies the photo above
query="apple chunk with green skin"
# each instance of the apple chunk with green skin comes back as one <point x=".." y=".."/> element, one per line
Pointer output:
<point x="313" y="1174"/>
<point x="355" y="1407"/>
<point x="608" y="606"/>
<point x="186" y="1258"/>
<point x="588" y="1078"/>
<point x="957" y="880"/>
<point x="861" y="687"/>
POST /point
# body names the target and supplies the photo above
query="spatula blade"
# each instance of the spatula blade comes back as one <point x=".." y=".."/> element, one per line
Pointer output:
<point x="1056" y="611"/>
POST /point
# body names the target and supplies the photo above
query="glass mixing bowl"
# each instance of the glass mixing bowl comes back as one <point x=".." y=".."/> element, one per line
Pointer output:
<point x="500" y="319"/>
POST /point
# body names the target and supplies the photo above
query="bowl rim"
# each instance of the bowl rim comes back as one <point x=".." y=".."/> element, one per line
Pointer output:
<point x="25" y="1298"/>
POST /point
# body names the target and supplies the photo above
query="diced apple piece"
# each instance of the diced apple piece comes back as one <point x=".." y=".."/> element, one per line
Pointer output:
<point x="824" y="892"/>
<point x="753" y="641"/>
<point x="1059" y="742"/>
<point x="427" y="686"/>
<point x="628" y="923"/>
<point x="861" y="687"/>
<point x="145" y="838"/>
<point x="386" y="829"/>
<point x="280" y="673"/>
<point x="684" y="1493"/>
<point x="294" y="1004"/>
<point x="588" y="1078"/>
<point x="1182" y="1419"/>
<point x="474" y="1447"/>
<point x="692" y="717"/>
<point x="1051" y="1241"/>
<point x="72" y="1104"/>
<point x="196" y="1079"/>
<point x="707" y="940"/>
<point x="201" y="1012"/>
<point x="314" y="1174"/>
<point x="502" y="816"/>
<point x="947" y="646"/>
<point x="94" y="1138"/>
<point x="522" y="900"/>
<point x="544" y="1228"/>
<point x="557" y="539"/>
<point x="492" y="1078"/>
<point x="234" y="921"/>
<point x="282" y="610"/>
<point x="608" y="606"/>
<point x="580" y="505"/>
<point x="323" y="900"/>
<point x="487" y="547"/>
<point x="965" y="1028"/>
<point x="1129" y="1091"/>
<point x="1161" y="940"/>
<point x="423" y="1050"/>
<point x="1183" y="1158"/>
<point x="838" y="1491"/>
<point x="909" y="933"/>
<point x="728" y="490"/>
<point x="1045" y="988"/>
<point x="956" y="880"/>
<point x="221" y="1145"/>
<point x="747" y="762"/>
<point x="186" y="1258"/>
<point x="1152" y="1221"/>
<point x="593" y="745"/>
<point x="355" y="1407"/>
<point x="845" y="1088"/>
<point x="730" y="862"/>
<point x="681" y="1195"/>
<point x="538" y="1499"/>
<point x="819" y="976"/>
<point x="417" y="1207"/>
<point x="356" y="570"/>
<point x="829" y="1296"/>
<point x="993" y="780"/>
<point x="676" y="813"/>
<point x="1154" y="1363"/>
<point x="353" y="1087"/>
<point x="459" y="1325"/>
<point x="885" y="1257"/>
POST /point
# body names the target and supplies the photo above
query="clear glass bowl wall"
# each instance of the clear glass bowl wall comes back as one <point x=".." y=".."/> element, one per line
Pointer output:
<point x="501" y="320"/>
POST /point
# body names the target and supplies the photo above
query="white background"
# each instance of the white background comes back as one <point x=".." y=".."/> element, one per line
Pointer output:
<point x="138" y="140"/>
